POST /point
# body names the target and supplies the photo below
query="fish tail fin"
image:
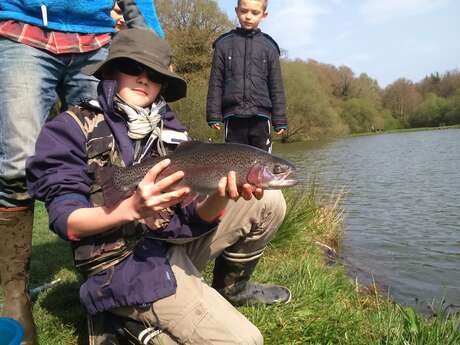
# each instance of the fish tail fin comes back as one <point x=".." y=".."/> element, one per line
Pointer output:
<point x="104" y="178"/>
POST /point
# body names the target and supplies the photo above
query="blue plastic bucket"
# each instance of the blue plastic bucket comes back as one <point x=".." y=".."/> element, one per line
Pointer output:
<point x="11" y="332"/>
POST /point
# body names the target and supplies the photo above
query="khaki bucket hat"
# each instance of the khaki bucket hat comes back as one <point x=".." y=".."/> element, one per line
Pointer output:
<point x="145" y="47"/>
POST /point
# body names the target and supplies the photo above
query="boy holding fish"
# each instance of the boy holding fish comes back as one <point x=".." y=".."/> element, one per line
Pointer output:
<point x="142" y="255"/>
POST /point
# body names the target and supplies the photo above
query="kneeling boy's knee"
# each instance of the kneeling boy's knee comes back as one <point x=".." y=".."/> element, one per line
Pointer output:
<point x="253" y="338"/>
<point x="275" y="204"/>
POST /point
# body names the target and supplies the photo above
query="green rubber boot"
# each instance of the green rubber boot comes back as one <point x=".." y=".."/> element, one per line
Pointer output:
<point x="231" y="280"/>
<point x="15" y="249"/>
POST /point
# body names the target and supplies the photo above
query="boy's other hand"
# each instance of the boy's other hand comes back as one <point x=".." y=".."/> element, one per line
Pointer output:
<point x="227" y="188"/>
<point x="280" y="131"/>
<point x="211" y="208"/>
<point x="216" y="126"/>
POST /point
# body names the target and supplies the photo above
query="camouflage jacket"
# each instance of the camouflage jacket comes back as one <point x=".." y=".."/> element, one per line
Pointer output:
<point x="60" y="174"/>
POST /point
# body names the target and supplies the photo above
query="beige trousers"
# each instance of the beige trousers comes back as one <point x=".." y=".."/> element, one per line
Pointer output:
<point x="197" y="314"/>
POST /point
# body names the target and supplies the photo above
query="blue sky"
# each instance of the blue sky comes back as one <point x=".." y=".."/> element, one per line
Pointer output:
<point x="387" y="39"/>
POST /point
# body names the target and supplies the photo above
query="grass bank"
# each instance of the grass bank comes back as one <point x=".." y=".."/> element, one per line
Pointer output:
<point x="327" y="307"/>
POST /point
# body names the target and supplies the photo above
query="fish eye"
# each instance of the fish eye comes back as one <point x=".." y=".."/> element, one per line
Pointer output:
<point x="279" y="169"/>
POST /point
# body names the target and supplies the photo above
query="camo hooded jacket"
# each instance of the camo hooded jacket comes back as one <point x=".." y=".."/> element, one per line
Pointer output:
<point x="58" y="174"/>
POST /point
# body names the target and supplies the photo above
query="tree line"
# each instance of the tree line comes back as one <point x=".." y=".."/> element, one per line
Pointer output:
<point x="322" y="99"/>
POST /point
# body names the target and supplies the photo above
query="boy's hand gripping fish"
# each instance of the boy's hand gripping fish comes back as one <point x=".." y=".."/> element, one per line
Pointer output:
<point x="204" y="164"/>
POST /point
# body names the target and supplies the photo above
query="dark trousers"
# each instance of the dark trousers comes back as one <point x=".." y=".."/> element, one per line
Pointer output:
<point x="254" y="131"/>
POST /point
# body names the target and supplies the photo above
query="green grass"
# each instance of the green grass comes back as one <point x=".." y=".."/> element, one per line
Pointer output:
<point x="327" y="307"/>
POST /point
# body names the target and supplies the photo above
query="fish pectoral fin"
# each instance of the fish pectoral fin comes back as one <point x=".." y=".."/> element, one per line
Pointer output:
<point x="104" y="178"/>
<point x="192" y="197"/>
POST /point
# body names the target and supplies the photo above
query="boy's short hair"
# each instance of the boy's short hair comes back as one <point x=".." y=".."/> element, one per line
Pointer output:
<point x="264" y="1"/>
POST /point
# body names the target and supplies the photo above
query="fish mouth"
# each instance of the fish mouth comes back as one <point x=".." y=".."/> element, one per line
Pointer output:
<point x="287" y="179"/>
<point x="283" y="183"/>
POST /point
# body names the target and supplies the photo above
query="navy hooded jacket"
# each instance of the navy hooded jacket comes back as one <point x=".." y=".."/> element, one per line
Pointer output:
<point x="246" y="78"/>
<point x="57" y="174"/>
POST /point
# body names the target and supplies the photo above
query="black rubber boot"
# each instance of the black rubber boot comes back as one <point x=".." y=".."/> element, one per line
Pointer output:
<point x="15" y="249"/>
<point x="231" y="280"/>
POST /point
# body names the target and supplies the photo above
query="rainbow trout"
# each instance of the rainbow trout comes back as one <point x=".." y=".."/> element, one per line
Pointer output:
<point x="203" y="164"/>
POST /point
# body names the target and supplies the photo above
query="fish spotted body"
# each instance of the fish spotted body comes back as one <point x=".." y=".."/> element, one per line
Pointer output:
<point x="203" y="164"/>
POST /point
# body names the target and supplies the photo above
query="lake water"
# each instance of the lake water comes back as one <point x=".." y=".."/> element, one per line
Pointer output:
<point x="402" y="223"/>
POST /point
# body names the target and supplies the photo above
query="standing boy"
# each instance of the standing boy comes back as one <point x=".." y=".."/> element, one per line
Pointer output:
<point x="246" y="93"/>
<point x="246" y="88"/>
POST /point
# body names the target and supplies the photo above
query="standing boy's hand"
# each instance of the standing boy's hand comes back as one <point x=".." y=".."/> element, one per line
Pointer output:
<point x="216" y="126"/>
<point x="280" y="131"/>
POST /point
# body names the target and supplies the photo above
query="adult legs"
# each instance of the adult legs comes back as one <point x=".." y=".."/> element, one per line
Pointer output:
<point x="29" y="77"/>
<point x="75" y="85"/>
<point x="15" y="248"/>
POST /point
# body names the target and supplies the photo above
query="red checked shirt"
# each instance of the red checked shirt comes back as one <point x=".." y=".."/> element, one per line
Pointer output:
<point x="56" y="42"/>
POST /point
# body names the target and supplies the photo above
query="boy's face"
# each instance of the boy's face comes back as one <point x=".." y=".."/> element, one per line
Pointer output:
<point x="250" y="13"/>
<point x="137" y="89"/>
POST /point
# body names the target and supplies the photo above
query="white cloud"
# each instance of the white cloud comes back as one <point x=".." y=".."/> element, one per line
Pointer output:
<point x="380" y="11"/>
<point x="292" y="24"/>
